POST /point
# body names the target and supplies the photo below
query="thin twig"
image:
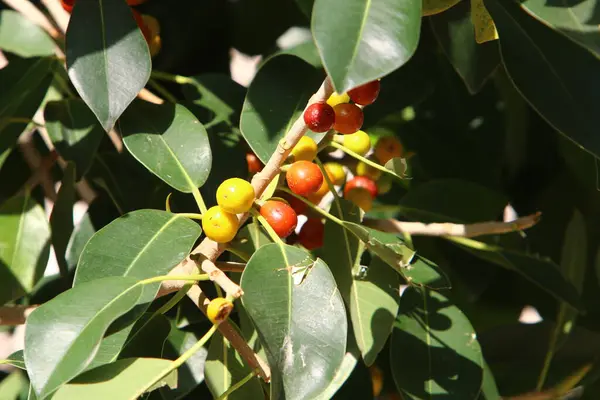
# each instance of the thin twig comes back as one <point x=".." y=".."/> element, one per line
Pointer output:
<point x="15" y="315"/>
<point x="32" y="13"/>
<point x="58" y="13"/>
<point x="449" y="229"/>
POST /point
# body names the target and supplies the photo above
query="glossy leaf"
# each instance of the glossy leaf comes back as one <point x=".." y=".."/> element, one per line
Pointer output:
<point x="127" y="379"/>
<point x="21" y="36"/>
<point x="23" y="86"/>
<point x="432" y="7"/>
<point x="276" y="98"/>
<point x="302" y="307"/>
<point x="485" y="29"/>
<point x="575" y="19"/>
<point x="550" y="72"/>
<point x="107" y="57"/>
<point x="434" y="351"/>
<point x="12" y="385"/>
<point x="306" y="51"/>
<point x="349" y="363"/>
<point x="371" y="297"/>
<point x="61" y="219"/>
<point x="360" y="41"/>
<point x="141" y="244"/>
<point x="399" y="256"/>
<point x="225" y="367"/>
<point x="72" y="325"/>
<point x="15" y="359"/>
<point x="24" y="246"/>
<point x="74" y="131"/>
<point x="169" y="141"/>
<point x="455" y="33"/>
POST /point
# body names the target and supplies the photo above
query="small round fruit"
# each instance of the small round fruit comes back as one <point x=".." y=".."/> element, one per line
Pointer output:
<point x="254" y="164"/>
<point x="361" y="182"/>
<point x="337" y="98"/>
<point x="280" y="216"/>
<point x="348" y="118"/>
<point x="319" y="117"/>
<point x="235" y="195"/>
<point x="155" y="42"/>
<point x="218" y="310"/>
<point x="364" y="169"/>
<point x="311" y="234"/>
<point x="359" y="142"/>
<point x="384" y="184"/>
<point x="306" y="149"/>
<point x="142" y="25"/>
<point x="135" y="2"/>
<point x="336" y="172"/>
<point x="67" y="5"/>
<point x="387" y="148"/>
<point x="219" y="225"/>
<point x="361" y="197"/>
<point x="365" y="94"/>
<point x="297" y="205"/>
<point x="304" y="178"/>
<point x="323" y="190"/>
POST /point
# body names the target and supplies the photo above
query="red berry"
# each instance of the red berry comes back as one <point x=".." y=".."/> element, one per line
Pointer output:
<point x="361" y="182"/>
<point x="348" y="118"/>
<point x="142" y="25"/>
<point x="319" y="117"/>
<point x="365" y="94"/>
<point x="254" y="164"/>
<point x="280" y="216"/>
<point x="297" y="205"/>
<point x="67" y="5"/>
<point x="311" y="234"/>
<point x="304" y="178"/>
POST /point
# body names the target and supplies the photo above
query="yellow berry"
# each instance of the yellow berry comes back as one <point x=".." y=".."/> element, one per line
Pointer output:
<point x="305" y="150"/>
<point x="384" y="184"/>
<point x="218" y="310"/>
<point x="323" y="190"/>
<point x="219" y="225"/>
<point x="361" y="197"/>
<point x="364" y="169"/>
<point x="387" y="148"/>
<point x="235" y="195"/>
<point x="336" y="99"/>
<point x="359" y="142"/>
<point x="336" y="172"/>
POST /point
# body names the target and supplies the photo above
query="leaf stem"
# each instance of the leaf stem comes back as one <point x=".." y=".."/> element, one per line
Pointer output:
<point x="314" y="208"/>
<point x="199" y="200"/>
<point x="165" y="76"/>
<point x="162" y="91"/>
<point x="191" y="215"/>
<point x="173" y="300"/>
<point x="326" y="177"/>
<point x="238" y="253"/>
<point x="162" y="278"/>
<point x="168" y="202"/>
<point x="190" y="352"/>
<point x="335" y="144"/>
<point x="238" y="385"/>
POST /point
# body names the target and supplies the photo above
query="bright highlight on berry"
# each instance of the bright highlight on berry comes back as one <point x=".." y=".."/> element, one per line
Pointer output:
<point x="365" y="94"/>
<point x="235" y="195"/>
<point x="348" y="118"/>
<point x="304" y="178"/>
<point x="218" y="310"/>
<point x="319" y="117"/>
<point x="306" y="149"/>
<point x="359" y="142"/>
<point x="280" y="216"/>
<point x="219" y="225"/>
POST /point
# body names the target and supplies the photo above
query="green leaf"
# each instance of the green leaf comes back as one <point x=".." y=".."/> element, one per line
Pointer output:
<point x="575" y="19"/>
<point x="250" y="238"/>
<point x="169" y="141"/>
<point x="23" y="86"/>
<point x="434" y="350"/>
<point x="19" y="35"/>
<point x="301" y="319"/>
<point x="107" y="57"/>
<point x="141" y="244"/>
<point x="61" y="219"/>
<point x="225" y="367"/>
<point x="24" y="246"/>
<point x="72" y="325"/>
<point x="79" y="238"/>
<point x="432" y="7"/>
<point x="455" y="33"/>
<point x="345" y="369"/>
<point x="276" y="98"/>
<point x="371" y="297"/>
<point x="15" y="359"/>
<point x="126" y="379"/>
<point x="74" y="131"/>
<point x="550" y="72"/>
<point x="306" y="51"/>
<point x="12" y="385"/>
<point x="361" y="41"/>
<point x="489" y="390"/>
<point x="393" y="251"/>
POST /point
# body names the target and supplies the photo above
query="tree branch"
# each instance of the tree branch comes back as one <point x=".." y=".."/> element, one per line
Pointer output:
<point x="15" y="315"/>
<point x="449" y="229"/>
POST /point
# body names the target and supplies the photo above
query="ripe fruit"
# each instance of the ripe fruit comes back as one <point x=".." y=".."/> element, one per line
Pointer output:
<point x="364" y="169"/>
<point x="359" y="142"/>
<point x="254" y="164"/>
<point x="336" y="172"/>
<point x="219" y="225"/>
<point x="304" y="178"/>
<point x="311" y="234"/>
<point x="136" y="2"/>
<point x="361" y="182"/>
<point x="365" y="94"/>
<point x="323" y="190"/>
<point x="319" y="117"/>
<point x="348" y="118"/>
<point x="218" y="310"/>
<point x="280" y="216"/>
<point x="361" y="197"/>
<point x="336" y="99"/>
<point x="67" y="5"/>
<point x="387" y="148"/>
<point x="155" y="42"/>
<point x="306" y="149"/>
<point x="297" y="205"/>
<point x="142" y="25"/>
<point x="235" y="195"/>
